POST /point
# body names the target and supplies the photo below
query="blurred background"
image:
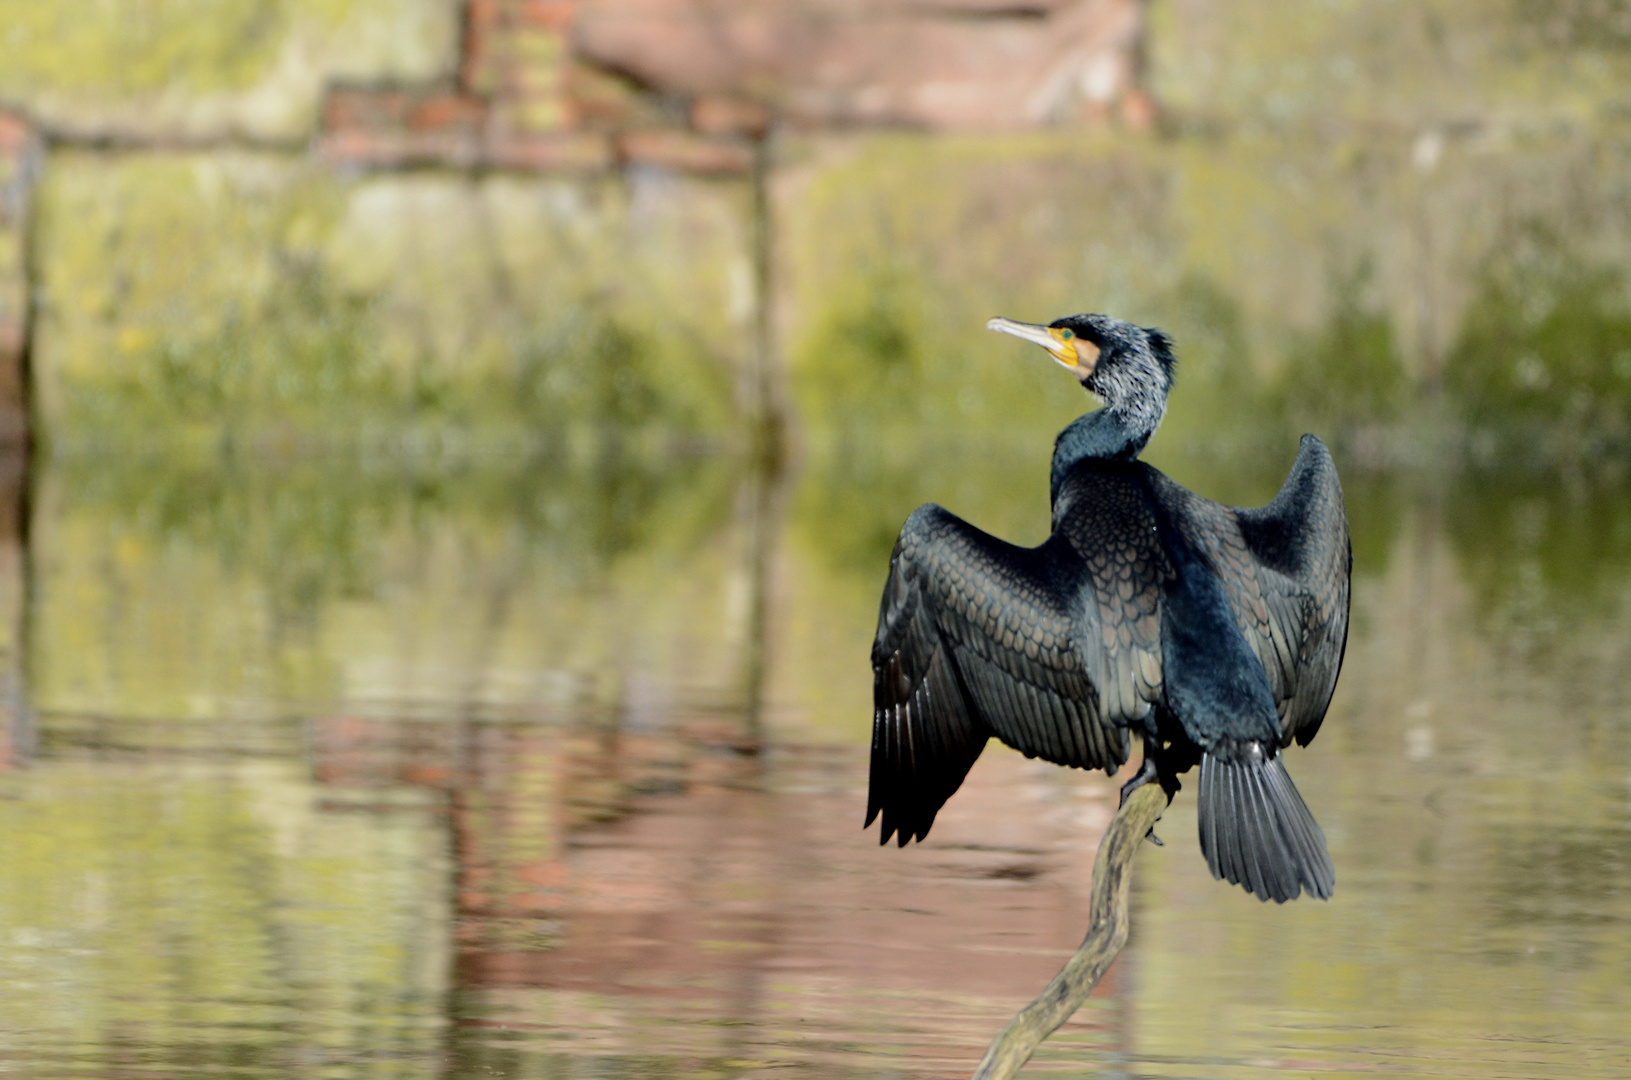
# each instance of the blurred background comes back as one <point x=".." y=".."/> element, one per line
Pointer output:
<point x="454" y="449"/>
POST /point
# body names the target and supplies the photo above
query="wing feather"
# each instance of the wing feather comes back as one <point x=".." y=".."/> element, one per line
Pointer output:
<point x="977" y="637"/>
<point x="1300" y="542"/>
<point x="1285" y="570"/>
<point x="1105" y="517"/>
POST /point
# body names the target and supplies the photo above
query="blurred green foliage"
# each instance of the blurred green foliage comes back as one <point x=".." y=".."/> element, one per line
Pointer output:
<point x="1347" y="374"/>
<point x="851" y="503"/>
<point x="899" y="253"/>
<point x="1386" y="66"/>
<point x="143" y="45"/>
<point x="1542" y="367"/>
<point x="870" y="349"/>
<point x="185" y="895"/>
<point x="249" y="583"/>
<point x="1538" y="546"/>
<point x="254" y="299"/>
<point x="304" y="366"/>
<point x="301" y="344"/>
<point x="901" y="250"/>
<point x="250" y="300"/>
<point x="1577" y="25"/>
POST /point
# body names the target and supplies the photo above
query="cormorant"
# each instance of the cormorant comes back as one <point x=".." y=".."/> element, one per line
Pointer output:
<point x="1214" y="633"/>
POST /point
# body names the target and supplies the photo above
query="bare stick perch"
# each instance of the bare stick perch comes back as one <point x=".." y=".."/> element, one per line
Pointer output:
<point x="1106" y="935"/>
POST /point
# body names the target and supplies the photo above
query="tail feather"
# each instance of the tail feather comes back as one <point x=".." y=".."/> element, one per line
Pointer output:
<point x="1256" y="830"/>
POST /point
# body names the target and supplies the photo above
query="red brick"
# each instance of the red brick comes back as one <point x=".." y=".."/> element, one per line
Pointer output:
<point x="533" y="70"/>
<point x="684" y="151"/>
<point x="565" y="152"/>
<point x="894" y="62"/>
<point x="1138" y="110"/>
<point x="354" y="146"/>
<point x="431" y="776"/>
<point x="553" y="14"/>
<point x="353" y="107"/>
<point x="14" y="133"/>
<point x="729" y="116"/>
<point x="481" y="25"/>
<point x="447" y="111"/>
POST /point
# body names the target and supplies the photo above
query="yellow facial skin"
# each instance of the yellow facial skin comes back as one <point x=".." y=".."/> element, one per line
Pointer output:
<point x="1075" y="354"/>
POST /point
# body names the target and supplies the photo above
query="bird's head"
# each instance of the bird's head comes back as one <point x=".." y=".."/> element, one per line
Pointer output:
<point x="1130" y="368"/>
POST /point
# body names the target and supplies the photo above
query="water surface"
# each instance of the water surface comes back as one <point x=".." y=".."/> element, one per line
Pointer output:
<point x="549" y="770"/>
<point x="405" y="672"/>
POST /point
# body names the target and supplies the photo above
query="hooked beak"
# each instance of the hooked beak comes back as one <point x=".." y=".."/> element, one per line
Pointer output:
<point x="1072" y="353"/>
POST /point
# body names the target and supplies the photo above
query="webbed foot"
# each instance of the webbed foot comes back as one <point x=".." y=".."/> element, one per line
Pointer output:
<point x="1146" y="773"/>
<point x="1149" y="771"/>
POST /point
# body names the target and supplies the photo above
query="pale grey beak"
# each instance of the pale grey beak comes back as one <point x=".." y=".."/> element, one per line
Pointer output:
<point x="1064" y="348"/>
<point x="1036" y="335"/>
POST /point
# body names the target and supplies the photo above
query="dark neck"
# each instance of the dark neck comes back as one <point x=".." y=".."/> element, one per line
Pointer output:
<point x="1099" y="435"/>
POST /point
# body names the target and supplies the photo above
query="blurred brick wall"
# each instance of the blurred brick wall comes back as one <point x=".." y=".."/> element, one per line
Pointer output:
<point x="667" y="863"/>
<point x="19" y="161"/>
<point x="587" y="84"/>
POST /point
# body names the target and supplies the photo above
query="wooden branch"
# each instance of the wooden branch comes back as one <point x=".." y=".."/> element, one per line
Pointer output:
<point x="1106" y="935"/>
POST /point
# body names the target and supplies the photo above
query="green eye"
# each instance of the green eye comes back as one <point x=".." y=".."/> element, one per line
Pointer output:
<point x="1066" y="334"/>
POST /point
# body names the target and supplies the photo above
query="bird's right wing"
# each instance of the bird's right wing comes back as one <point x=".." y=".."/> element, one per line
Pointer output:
<point x="975" y="638"/>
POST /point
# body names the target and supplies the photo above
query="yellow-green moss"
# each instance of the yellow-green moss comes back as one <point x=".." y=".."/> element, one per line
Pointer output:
<point x="1310" y="284"/>
<point x="1525" y="63"/>
<point x="196" y="298"/>
<point x="210" y="66"/>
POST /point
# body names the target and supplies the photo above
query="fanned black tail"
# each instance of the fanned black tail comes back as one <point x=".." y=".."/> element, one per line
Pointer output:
<point x="1256" y="832"/>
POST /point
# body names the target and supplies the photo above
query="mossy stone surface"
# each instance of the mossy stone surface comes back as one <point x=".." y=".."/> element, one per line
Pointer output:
<point x="201" y="68"/>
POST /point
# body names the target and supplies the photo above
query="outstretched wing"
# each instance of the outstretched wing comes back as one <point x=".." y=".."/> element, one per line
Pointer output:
<point x="1304" y="559"/>
<point x="1285" y="570"/>
<point x="976" y="637"/>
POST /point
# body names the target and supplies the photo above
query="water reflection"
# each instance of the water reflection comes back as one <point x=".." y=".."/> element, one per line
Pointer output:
<point x="297" y="802"/>
<point x="1546" y="555"/>
<point x="353" y="581"/>
<point x="1542" y="367"/>
<point x="524" y="734"/>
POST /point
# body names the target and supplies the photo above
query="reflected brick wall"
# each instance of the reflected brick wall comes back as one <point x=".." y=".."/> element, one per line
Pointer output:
<point x="16" y="714"/>
<point x="671" y="866"/>
<point x="19" y="163"/>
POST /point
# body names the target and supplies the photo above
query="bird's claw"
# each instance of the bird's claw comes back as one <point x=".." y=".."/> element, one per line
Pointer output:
<point x="1146" y="773"/>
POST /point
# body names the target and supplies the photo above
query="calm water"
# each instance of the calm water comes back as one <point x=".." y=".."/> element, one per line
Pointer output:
<point x="557" y="769"/>
<point x="421" y="759"/>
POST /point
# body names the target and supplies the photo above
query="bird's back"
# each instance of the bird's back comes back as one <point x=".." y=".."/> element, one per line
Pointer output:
<point x="1282" y="569"/>
<point x="1106" y="513"/>
<point x="1148" y="604"/>
<point x="1253" y="627"/>
<point x="1285" y="570"/>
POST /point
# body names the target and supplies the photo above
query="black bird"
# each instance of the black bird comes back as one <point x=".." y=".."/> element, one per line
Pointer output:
<point x="1214" y="633"/>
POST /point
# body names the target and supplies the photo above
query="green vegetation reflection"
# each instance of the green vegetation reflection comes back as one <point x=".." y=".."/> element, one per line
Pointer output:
<point x="180" y="589"/>
<point x="1542" y="367"/>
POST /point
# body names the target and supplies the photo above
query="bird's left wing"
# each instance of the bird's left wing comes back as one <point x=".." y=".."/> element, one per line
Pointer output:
<point x="974" y="639"/>
<point x="1285" y="569"/>
<point x="1304" y="559"/>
